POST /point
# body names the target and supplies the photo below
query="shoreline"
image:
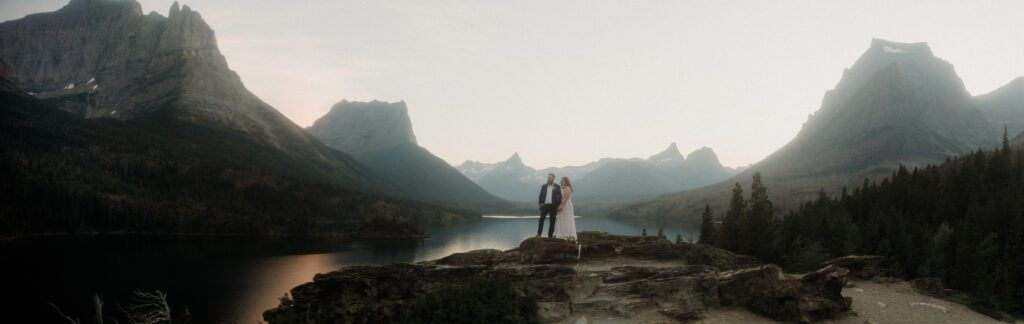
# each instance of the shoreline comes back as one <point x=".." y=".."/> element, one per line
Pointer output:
<point x="341" y="236"/>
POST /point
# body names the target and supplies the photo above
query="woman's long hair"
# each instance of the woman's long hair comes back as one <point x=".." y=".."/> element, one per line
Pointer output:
<point x="566" y="183"/>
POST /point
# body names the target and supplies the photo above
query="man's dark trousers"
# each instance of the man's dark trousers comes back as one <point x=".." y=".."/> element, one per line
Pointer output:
<point x="545" y="210"/>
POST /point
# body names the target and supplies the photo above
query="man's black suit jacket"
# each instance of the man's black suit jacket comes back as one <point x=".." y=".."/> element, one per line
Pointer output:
<point x="556" y="194"/>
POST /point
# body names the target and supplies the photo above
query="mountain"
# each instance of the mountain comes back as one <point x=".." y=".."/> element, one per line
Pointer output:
<point x="668" y="159"/>
<point x="661" y="173"/>
<point x="105" y="59"/>
<point x="606" y="179"/>
<point x="115" y="120"/>
<point x="702" y="167"/>
<point x="898" y="104"/>
<point x="1005" y="106"/>
<point x="625" y="178"/>
<point x="511" y="180"/>
<point x="380" y="135"/>
<point x="63" y="173"/>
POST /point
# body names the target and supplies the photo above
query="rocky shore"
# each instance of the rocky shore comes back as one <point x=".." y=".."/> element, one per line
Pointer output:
<point x="630" y="278"/>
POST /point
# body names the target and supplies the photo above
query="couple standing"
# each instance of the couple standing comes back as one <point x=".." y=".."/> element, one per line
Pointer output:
<point x="556" y="200"/>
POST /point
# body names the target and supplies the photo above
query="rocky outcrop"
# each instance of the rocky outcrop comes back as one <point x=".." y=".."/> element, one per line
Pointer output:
<point x="765" y="290"/>
<point x="543" y="250"/>
<point x="603" y="245"/>
<point x="637" y="278"/>
<point x="485" y="257"/>
<point x="932" y="286"/>
<point x="860" y="266"/>
<point x="99" y="58"/>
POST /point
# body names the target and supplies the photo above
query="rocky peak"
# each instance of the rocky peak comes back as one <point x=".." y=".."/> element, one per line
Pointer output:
<point x="175" y="10"/>
<point x="187" y="31"/>
<point x="670" y="153"/>
<point x="514" y="160"/>
<point x="134" y="65"/>
<point x="131" y="6"/>
<point x="898" y="104"/>
<point x="704" y="157"/>
<point x="884" y="47"/>
<point x="360" y="128"/>
<point x="914" y="60"/>
<point x="910" y="68"/>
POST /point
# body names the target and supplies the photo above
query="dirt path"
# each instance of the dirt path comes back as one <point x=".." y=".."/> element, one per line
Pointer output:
<point x="872" y="303"/>
<point x="877" y="303"/>
<point x="899" y="303"/>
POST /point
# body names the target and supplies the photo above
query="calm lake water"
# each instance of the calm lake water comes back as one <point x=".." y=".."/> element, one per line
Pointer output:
<point x="224" y="279"/>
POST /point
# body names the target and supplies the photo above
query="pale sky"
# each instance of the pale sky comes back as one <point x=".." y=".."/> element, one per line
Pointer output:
<point x="568" y="82"/>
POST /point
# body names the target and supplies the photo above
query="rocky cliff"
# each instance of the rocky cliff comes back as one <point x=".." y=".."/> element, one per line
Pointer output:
<point x="364" y="129"/>
<point x="379" y="134"/>
<point x="617" y="277"/>
<point x="105" y="58"/>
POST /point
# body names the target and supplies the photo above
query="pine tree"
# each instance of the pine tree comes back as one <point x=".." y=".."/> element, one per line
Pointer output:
<point x="707" y="226"/>
<point x="941" y="251"/>
<point x="756" y="230"/>
<point x="730" y="233"/>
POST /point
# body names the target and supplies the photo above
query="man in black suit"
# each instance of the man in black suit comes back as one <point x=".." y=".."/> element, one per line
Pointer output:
<point x="549" y="200"/>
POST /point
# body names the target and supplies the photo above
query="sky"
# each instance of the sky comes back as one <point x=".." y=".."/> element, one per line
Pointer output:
<point x="569" y="82"/>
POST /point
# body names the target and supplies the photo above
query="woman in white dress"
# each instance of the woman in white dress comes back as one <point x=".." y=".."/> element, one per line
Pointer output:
<point x="565" y="226"/>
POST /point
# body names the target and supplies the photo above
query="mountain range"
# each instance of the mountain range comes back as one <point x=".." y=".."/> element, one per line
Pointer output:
<point x="380" y="135"/>
<point x="146" y="118"/>
<point x="898" y="104"/>
<point x="609" y="179"/>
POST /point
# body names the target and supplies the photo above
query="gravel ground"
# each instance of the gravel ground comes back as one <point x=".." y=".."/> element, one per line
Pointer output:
<point x="879" y="303"/>
<point x="899" y="303"/>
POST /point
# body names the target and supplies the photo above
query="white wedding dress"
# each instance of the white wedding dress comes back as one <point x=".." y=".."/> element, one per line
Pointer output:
<point x="565" y="223"/>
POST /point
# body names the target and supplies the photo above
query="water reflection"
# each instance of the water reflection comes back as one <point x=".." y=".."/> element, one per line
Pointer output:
<point x="227" y="278"/>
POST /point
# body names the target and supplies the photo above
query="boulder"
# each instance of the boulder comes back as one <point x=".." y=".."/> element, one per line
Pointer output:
<point x="487" y="257"/>
<point x="860" y="266"/>
<point x="543" y="250"/>
<point x="368" y="294"/>
<point x="629" y="291"/>
<point x="933" y="287"/>
<point x="598" y="245"/>
<point x="767" y="291"/>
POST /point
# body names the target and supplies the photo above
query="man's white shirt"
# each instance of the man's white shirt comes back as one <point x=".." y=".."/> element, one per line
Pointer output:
<point x="551" y="188"/>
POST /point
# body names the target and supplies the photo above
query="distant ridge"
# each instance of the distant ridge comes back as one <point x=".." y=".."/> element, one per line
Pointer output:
<point x="610" y="179"/>
<point x="898" y="104"/>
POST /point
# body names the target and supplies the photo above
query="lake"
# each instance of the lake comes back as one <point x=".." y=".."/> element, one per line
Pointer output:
<point x="225" y="279"/>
